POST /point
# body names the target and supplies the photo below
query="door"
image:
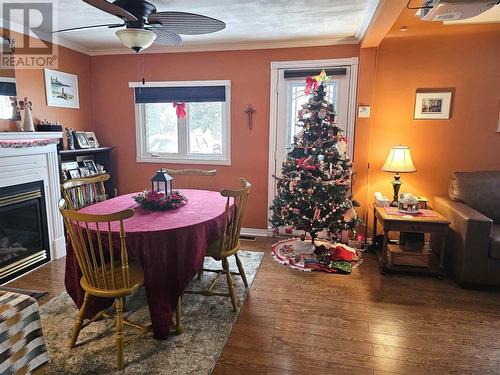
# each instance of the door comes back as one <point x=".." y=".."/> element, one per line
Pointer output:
<point x="291" y="97"/>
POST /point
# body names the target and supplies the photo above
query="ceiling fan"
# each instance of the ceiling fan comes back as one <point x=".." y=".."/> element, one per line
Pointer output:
<point x="145" y="25"/>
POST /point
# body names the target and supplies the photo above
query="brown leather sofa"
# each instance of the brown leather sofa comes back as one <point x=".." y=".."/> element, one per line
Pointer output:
<point x="473" y="209"/>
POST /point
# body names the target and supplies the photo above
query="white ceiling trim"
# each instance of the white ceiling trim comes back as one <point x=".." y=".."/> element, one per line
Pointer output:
<point x="14" y="26"/>
<point x="230" y="46"/>
<point x="369" y="13"/>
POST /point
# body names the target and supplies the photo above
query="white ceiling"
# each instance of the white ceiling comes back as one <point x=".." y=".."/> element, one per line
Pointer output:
<point x="250" y="23"/>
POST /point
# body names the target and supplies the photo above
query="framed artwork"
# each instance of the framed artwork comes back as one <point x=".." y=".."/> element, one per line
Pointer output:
<point x="432" y="105"/>
<point x="74" y="173"/>
<point x="91" y="166"/>
<point x="81" y="139"/>
<point x="69" y="165"/>
<point x="61" y="89"/>
<point x="84" y="171"/>
<point x="92" y="139"/>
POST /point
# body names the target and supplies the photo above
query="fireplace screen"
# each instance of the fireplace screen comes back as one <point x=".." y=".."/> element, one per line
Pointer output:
<point x="23" y="229"/>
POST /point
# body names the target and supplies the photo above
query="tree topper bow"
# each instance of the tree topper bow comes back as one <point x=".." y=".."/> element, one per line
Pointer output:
<point x="314" y="82"/>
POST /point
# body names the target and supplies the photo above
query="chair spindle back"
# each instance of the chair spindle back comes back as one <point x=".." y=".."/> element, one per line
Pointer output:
<point x="233" y="218"/>
<point x="92" y="241"/>
<point x="193" y="178"/>
<point x="82" y="192"/>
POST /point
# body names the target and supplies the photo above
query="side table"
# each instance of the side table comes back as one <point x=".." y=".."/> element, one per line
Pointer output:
<point x="393" y="257"/>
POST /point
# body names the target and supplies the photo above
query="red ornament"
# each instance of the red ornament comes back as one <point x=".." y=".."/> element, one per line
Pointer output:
<point x="180" y="109"/>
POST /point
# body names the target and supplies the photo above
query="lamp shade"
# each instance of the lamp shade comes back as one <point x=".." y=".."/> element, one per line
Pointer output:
<point x="136" y="39"/>
<point x="399" y="160"/>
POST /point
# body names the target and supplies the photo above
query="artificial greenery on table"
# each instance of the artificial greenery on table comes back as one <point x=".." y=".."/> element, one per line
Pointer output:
<point x="158" y="201"/>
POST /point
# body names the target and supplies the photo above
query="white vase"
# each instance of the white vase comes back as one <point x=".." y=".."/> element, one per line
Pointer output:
<point x="28" y="121"/>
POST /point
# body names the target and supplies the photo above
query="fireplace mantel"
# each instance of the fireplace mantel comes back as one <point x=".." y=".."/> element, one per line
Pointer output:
<point x="20" y="165"/>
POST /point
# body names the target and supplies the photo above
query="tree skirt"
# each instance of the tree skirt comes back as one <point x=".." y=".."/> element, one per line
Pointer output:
<point x="303" y="256"/>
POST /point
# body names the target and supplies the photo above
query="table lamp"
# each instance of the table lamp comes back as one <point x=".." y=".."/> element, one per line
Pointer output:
<point x="398" y="161"/>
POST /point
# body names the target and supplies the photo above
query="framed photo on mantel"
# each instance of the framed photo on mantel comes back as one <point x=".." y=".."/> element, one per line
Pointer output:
<point x="61" y="89"/>
<point x="431" y="105"/>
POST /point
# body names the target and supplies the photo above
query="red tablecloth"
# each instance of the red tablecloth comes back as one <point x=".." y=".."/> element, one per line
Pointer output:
<point x="169" y="245"/>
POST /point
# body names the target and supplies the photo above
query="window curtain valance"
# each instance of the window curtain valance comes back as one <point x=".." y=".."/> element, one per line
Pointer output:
<point x="180" y="94"/>
<point x="8" y="89"/>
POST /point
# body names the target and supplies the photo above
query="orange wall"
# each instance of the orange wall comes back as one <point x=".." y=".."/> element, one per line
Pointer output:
<point x="366" y="79"/>
<point x="31" y="83"/>
<point x="467" y="62"/>
<point x="249" y="72"/>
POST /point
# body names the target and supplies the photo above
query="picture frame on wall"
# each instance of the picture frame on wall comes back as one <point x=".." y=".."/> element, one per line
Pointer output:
<point x="431" y="105"/>
<point x="81" y="139"/>
<point x="61" y="89"/>
<point x="92" y="139"/>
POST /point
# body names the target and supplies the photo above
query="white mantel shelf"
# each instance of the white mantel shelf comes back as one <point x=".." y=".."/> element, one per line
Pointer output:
<point x="29" y="135"/>
<point x="20" y="165"/>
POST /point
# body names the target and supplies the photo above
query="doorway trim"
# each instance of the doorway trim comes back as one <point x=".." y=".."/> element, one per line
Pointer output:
<point x="352" y="62"/>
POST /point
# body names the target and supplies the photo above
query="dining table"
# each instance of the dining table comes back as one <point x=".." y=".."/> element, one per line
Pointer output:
<point x="169" y="245"/>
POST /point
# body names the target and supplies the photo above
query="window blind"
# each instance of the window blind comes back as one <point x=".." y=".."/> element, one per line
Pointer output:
<point x="8" y="88"/>
<point x="180" y="94"/>
<point x="314" y="72"/>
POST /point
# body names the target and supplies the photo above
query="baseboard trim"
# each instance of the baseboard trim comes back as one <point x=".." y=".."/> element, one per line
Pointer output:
<point x="255" y="232"/>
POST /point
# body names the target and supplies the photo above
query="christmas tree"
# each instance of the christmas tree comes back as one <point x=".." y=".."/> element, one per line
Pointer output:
<point x="313" y="190"/>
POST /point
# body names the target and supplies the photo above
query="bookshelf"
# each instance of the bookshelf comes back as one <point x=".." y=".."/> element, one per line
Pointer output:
<point x="100" y="155"/>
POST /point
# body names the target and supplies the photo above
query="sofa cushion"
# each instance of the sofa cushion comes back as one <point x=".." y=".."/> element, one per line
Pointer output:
<point x="495" y="242"/>
<point x="479" y="190"/>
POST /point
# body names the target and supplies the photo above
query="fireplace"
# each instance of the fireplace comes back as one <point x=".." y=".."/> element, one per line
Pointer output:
<point x="24" y="237"/>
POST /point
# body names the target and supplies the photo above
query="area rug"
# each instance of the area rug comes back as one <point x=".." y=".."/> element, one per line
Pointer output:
<point x="36" y="294"/>
<point x="207" y="324"/>
<point x="325" y="256"/>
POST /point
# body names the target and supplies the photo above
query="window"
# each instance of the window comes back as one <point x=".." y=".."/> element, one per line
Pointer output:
<point x="7" y="89"/>
<point x="202" y="137"/>
<point x="297" y="98"/>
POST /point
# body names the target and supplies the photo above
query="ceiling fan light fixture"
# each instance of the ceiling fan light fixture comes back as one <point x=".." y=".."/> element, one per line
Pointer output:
<point x="136" y="39"/>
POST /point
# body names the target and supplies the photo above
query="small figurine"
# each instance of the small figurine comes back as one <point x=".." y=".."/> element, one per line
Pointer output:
<point x="70" y="138"/>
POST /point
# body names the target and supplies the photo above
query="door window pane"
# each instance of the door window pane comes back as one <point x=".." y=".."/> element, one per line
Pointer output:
<point x="205" y="128"/>
<point x="161" y="128"/>
<point x="296" y="99"/>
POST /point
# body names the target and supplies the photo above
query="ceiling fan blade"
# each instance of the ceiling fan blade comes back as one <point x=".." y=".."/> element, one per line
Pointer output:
<point x="109" y="25"/>
<point x="186" y="23"/>
<point x="111" y="8"/>
<point x="167" y="38"/>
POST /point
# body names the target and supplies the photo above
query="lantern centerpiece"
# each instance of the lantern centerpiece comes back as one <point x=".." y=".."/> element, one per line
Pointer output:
<point x="162" y="182"/>
<point x="161" y="196"/>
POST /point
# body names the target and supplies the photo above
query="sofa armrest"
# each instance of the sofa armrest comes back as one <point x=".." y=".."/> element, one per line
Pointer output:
<point x="469" y="240"/>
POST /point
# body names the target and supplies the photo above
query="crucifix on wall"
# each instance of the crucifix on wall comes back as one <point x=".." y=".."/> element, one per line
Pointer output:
<point x="250" y="111"/>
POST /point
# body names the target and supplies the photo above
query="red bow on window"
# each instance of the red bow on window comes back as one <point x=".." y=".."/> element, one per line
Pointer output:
<point x="311" y="83"/>
<point x="180" y="109"/>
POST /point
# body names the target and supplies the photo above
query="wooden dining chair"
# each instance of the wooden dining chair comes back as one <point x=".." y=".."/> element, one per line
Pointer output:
<point x="193" y="178"/>
<point x="229" y="242"/>
<point x="105" y="274"/>
<point x="82" y="192"/>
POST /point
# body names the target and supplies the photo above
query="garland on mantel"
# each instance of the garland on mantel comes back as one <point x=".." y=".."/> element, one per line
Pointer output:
<point x="24" y="143"/>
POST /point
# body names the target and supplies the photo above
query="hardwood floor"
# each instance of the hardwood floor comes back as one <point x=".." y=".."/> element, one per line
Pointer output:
<point x="294" y="322"/>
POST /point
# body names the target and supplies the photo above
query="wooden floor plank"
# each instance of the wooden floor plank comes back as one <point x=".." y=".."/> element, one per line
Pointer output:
<point x="296" y="322"/>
